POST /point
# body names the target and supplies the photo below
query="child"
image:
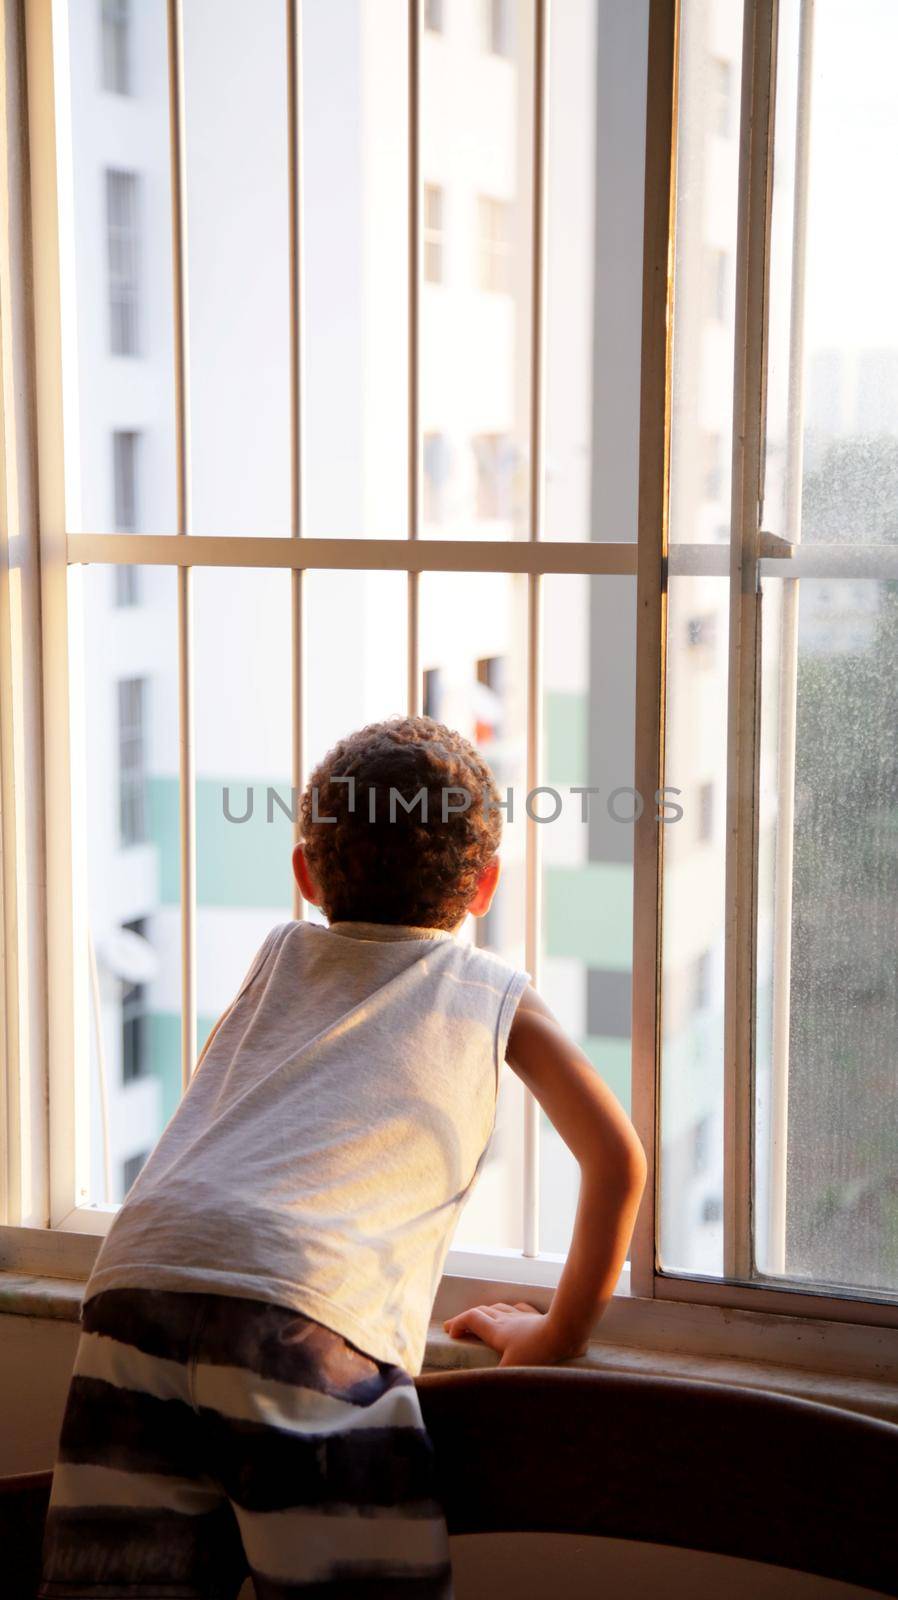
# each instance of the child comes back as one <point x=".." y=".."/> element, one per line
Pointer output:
<point x="243" y="1394"/>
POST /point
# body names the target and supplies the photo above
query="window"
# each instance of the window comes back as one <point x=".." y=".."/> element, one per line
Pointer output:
<point x="115" y="24"/>
<point x="436" y="476"/>
<point x="432" y="703"/>
<point x="721" y="93"/>
<point x="490" y="682"/>
<point x="701" y="633"/>
<point x="713" y="479"/>
<point x="433" y="15"/>
<point x="131" y="1169"/>
<point x="495" y="458"/>
<point x="760" y="692"/>
<point x="132" y="755"/>
<point x="124" y="489"/>
<point x="717" y="269"/>
<point x="702" y="981"/>
<point x="135" y="1042"/>
<point x="123" y="247"/>
<point x="494" y="218"/>
<point x="706" y="812"/>
<point x="498" y="25"/>
<point x="433" y="233"/>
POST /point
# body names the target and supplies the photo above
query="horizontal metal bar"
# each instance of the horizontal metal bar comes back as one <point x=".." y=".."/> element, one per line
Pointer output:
<point x="698" y="560"/>
<point x="780" y="1299"/>
<point x="371" y="555"/>
<point x="834" y="561"/>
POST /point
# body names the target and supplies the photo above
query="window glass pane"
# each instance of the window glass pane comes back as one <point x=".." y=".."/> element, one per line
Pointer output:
<point x="244" y="835"/>
<point x="841" y="311"/>
<point x="473" y="628"/>
<point x="827" y="1089"/>
<point x="115" y="260"/>
<point x="595" y="174"/>
<point x="587" y="849"/>
<point x="694" y="873"/>
<point x="475" y="322"/>
<point x="235" y="89"/>
<point x="124" y="699"/>
<point x="355" y="244"/>
<point x="705" y="243"/>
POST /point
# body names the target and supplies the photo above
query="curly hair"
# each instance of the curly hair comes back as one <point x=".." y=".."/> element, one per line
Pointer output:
<point x="400" y="860"/>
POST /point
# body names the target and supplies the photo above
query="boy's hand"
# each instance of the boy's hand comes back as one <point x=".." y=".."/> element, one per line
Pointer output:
<point x="520" y="1333"/>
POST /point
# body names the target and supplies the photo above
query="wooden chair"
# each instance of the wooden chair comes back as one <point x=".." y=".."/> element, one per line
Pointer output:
<point x="705" y="1467"/>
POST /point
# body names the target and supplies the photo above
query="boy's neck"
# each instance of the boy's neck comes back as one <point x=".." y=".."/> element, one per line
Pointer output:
<point x="387" y="931"/>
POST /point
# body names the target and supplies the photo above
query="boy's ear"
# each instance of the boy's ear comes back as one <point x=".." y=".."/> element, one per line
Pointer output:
<point x="303" y="877"/>
<point x="486" y="888"/>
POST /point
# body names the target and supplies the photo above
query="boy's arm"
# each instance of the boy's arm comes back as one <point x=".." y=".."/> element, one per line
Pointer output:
<point x="603" y="1141"/>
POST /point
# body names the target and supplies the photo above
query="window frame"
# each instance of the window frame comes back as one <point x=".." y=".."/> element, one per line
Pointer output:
<point x="49" y="1200"/>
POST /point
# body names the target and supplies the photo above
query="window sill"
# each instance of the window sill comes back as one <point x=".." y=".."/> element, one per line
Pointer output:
<point x="59" y="1299"/>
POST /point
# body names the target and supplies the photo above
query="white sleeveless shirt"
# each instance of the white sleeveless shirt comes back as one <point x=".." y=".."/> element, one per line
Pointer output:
<point x="331" y="1135"/>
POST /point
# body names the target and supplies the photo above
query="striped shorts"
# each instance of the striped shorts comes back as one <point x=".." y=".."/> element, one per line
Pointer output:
<point x="207" y="1439"/>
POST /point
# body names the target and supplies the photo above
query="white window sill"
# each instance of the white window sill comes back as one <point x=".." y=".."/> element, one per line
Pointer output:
<point x="59" y="1299"/>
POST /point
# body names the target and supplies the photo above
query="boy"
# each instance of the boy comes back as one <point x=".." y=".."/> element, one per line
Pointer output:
<point x="243" y="1394"/>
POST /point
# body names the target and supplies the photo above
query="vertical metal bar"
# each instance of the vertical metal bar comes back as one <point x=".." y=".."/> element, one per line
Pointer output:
<point x="414" y="339"/>
<point x="533" y="857"/>
<point x="187" y="776"/>
<point x="297" y="414"/>
<point x="651" y="608"/>
<point x="752" y="264"/>
<point x="788" y="668"/>
<point x="44" y="1133"/>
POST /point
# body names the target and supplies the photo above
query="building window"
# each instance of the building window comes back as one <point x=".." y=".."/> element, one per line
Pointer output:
<point x="433" y="233"/>
<point x="135" y="1052"/>
<point x="701" y="634"/>
<point x="124" y="498"/>
<point x="701" y="982"/>
<point x="720" y="97"/>
<point x="436" y="475"/>
<point x="494" y="233"/>
<point x="433" y="693"/>
<point x="498" y="27"/>
<point x="609" y="1004"/>
<point x="115" y="27"/>
<point x="123" y="257"/>
<point x="131" y="1168"/>
<point x="706" y="812"/>
<point x="488" y="702"/>
<point x="713" y="480"/>
<point x="132" y="756"/>
<point x="433" y="15"/>
<point x="701" y="1145"/>
<point x="495" y="457"/>
<point x="717" y="274"/>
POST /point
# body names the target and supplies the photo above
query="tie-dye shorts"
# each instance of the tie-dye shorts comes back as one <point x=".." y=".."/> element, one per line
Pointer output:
<point x="208" y="1438"/>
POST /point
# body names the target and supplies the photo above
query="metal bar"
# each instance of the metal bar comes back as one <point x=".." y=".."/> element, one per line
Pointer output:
<point x="651" y="607"/>
<point x="698" y="561"/>
<point x="872" y="561"/>
<point x="297" y="413"/>
<point x="468" y="555"/>
<point x="37" y="1166"/>
<point x="365" y="555"/>
<point x="788" y="672"/>
<point x="60" y="944"/>
<point x="415" y="688"/>
<point x="776" y="1300"/>
<point x="752" y="263"/>
<point x="534" y="763"/>
<point x="187" y="785"/>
